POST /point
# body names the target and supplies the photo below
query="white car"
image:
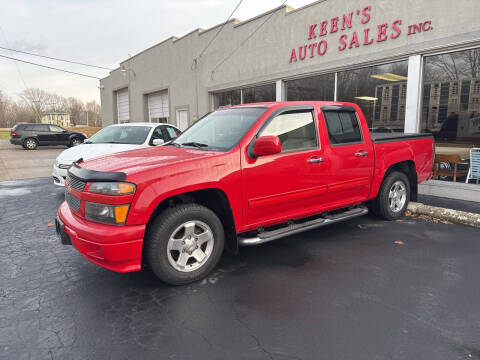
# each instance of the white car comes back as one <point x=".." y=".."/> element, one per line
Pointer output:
<point x="113" y="139"/>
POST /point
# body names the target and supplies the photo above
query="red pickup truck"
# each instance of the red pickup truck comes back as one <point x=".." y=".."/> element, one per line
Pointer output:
<point x="242" y="175"/>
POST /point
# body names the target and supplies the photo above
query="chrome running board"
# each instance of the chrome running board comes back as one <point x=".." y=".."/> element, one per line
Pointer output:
<point x="266" y="236"/>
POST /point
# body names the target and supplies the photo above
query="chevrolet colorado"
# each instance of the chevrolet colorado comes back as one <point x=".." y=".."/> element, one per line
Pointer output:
<point x="242" y="175"/>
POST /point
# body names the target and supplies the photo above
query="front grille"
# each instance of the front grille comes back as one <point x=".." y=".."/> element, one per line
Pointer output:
<point x="72" y="201"/>
<point x="75" y="183"/>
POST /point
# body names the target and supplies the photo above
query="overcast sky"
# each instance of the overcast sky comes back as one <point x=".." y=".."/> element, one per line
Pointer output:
<point x="101" y="33"/>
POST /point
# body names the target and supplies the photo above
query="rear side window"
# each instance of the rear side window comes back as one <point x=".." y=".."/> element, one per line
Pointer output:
<point x="40" y="128"/>
<point x="296" y="130"/>
<point x="342" y="127"/>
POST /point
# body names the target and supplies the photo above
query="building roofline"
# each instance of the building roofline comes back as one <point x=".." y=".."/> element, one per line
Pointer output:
<point x="234" y="20"/>
<point x="287" y="8"/>
<point x="201" y="31"/>
<point x="305" y="6"/>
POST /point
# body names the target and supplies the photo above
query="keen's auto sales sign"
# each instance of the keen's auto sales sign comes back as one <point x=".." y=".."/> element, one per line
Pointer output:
<point x="318" y="45"/>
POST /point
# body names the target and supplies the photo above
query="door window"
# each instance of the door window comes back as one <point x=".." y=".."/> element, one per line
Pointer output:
<point x="172" y="132"/>
<point x="342" y="127"/>
<point x="55" y="129"/>
<point x="296" y="130"/>
<point x="160" y="133"/>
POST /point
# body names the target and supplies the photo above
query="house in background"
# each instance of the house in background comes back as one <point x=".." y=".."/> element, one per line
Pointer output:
<point x="57" y="118"/>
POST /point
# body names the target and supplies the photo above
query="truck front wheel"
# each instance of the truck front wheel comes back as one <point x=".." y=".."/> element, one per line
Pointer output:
<point x="393" y="197"/>
<point x="184" y="243"/>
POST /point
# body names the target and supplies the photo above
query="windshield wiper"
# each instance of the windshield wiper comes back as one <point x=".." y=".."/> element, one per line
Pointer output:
<point x="195" y="144"/>
<point x="87" y="142"/>
<point x="173" y="144"/>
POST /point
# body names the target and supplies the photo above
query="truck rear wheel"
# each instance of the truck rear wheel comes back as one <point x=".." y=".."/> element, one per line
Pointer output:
<point x="184" y="243"/>
<point x="393" y="197"/>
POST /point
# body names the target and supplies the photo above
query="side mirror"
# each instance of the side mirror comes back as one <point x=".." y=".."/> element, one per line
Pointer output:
<point x="157" y="142"/>
<point x="267" y="145"/>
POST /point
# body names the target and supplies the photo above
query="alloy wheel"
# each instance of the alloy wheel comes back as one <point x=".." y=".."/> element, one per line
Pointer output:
<point x="397" y="196"/>
<point x="190" y="246"/>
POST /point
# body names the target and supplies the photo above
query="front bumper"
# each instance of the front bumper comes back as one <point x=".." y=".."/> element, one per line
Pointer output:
<point x="59" y="176"/>
<point x="117" y="248"/>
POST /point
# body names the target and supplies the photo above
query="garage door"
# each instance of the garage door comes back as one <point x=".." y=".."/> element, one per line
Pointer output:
<point x="123" y="106"/>
<point x="158" y="107"/>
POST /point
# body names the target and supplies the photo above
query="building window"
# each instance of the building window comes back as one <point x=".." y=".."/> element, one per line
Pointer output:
<point x="262" y="93"/>
<point x="376" y="89"/>
<point x="449" y="106"/>
<point x="225" y="98"/>
<point x="254" y="94"/>
<point x="320" y="88"/>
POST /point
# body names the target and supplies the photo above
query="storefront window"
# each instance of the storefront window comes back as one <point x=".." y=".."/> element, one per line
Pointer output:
<point x="320" y="88"/>
<point x="230" y="97"/>
<point x="261" y="93"/>
<point x="381" y="93"/>
<point x="451" y="98"/>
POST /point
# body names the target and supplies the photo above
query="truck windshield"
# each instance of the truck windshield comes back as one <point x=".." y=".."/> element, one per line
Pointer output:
<point x="120" y="135"/>
<point x="220" y="130"/>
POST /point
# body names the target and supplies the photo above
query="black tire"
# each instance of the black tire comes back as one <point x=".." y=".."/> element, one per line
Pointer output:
<point x="164" y="226"/>
<point x="75" y="142"/>
<point x="382" y="202"/>
<point x="30" y="144"/>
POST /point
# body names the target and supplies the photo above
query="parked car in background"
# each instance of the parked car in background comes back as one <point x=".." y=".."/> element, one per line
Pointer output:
<point x="243" y="175"/>
<point x="113" y="139"/>
<point x="31" y="136"/>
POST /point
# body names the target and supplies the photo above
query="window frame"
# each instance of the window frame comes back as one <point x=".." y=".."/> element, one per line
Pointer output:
<point x="348" y="109"/>
<point x="274" y="114"/>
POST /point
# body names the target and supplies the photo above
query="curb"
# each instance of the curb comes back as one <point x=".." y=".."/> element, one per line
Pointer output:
<point x="453" y="216"/>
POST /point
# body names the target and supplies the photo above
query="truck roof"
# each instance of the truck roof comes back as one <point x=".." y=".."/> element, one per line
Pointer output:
<point x="271" y="104"/>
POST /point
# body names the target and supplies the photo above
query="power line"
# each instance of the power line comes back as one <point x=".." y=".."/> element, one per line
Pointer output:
<point x="57" y="59"/>
<point x="35" y="110"/>
<point x="50" y="67"/>
<point x="219" y="30"/>
<point x="244" y="41"/>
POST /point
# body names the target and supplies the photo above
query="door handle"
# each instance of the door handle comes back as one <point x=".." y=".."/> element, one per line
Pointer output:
<point x="315" y="160"/>
<point x="361" y="153"/>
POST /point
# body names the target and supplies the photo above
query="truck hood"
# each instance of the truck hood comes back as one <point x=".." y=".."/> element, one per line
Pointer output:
<point x="135" y="161"/>
<point x="89" y="151"/>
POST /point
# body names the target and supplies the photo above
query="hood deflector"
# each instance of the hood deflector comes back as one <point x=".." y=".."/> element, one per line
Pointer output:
<point x="92" y="175"/>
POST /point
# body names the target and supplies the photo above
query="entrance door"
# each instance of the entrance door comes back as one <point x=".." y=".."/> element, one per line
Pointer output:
<point x="349" y="155"/>
<point x="290" y="183"/>
<point x="182" y="119"/>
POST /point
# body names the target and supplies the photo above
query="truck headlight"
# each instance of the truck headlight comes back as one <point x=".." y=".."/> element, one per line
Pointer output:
<point x="108" y="214"/>
<point x="112" y="188"/>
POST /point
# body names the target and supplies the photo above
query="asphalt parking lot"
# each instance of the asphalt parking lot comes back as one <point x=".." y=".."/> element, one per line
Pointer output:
<point x="18" y="163"/>
<point x="365" y="289"/>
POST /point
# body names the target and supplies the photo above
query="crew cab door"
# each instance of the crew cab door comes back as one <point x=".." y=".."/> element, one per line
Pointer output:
<point x="350" y="155"/>
<point x="283" y="185"/>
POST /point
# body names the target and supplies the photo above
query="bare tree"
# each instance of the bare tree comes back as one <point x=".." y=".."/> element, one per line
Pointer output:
<point x="35" y="102"/>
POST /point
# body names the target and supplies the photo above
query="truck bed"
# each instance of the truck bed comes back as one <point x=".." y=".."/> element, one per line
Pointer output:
<point x="388" y="137"/>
